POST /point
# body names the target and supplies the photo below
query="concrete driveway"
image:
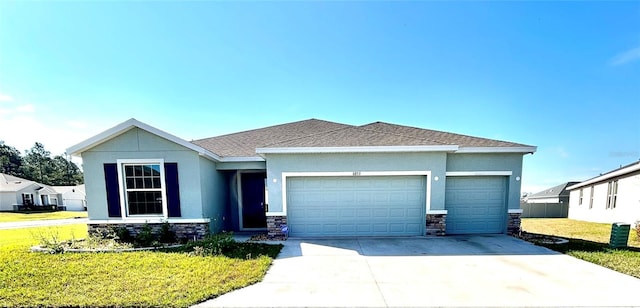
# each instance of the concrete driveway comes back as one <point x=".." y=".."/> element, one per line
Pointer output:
<point x="438" y="271"/>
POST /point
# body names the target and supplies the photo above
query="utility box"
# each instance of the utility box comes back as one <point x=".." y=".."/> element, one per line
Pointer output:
<point x="619" y="235"/>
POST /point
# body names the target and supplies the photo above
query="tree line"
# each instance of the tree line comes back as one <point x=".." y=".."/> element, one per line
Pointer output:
<point x="38" y="165"/>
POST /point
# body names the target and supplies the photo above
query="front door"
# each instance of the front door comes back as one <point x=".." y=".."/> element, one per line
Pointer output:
<point x="253" y="201"/>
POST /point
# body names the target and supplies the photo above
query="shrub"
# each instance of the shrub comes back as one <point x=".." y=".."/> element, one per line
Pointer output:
<point x="166" y="234"/>
<point x="123" y="234"/>
<point x="145" y="237"/>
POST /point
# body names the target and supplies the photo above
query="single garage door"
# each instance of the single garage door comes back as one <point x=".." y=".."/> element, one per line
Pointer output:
<point x="356" y="206"/>
<point x="475" y="204"/>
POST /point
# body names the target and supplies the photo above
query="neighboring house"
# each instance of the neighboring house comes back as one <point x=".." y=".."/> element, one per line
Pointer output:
<point x="608" y="198"/>
<point x="557" y="194"/>
<point x="73" y="197"/>
<point x="549" y="203"/>
<point x="18" y="193"/>
<point x="318" y="178"/>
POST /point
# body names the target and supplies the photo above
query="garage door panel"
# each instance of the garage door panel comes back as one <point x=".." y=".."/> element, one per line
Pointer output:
<point x="356" y="206"/>
<point x="475" y="205"/>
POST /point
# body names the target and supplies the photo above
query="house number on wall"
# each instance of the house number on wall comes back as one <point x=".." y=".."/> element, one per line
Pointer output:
<point x="356" y="173"/>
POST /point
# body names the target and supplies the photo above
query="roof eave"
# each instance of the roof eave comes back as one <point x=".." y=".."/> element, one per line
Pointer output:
<point x="125" y="126"/>
<point x="522" y="149"/>
<point x="605" y="177"/>
<point x="358" y="149"/>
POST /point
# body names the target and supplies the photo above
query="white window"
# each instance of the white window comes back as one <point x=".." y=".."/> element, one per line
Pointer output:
<point x="591" y="197"/>
<point x="143" y="187"/>
<point x="612" y="194"/>
<point x="581" y="195"/>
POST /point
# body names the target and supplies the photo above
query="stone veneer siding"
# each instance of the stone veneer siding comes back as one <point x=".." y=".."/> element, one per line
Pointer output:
<point x="189" y="231"/>
<point x="436" y="224"/>
<point x="274" y="226"/>
<point x="513" y="224"/>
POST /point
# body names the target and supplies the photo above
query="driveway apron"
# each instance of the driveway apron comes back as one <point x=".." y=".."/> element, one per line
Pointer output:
<point x="436" y="271"/>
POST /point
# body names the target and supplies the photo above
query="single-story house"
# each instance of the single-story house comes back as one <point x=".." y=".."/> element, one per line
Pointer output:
<point x="317" y="178"/>
<point x="608" y="198"/>
<point x="17" y="193"/>
<point x="73" y="197"/>
<point x="556" y="194"/>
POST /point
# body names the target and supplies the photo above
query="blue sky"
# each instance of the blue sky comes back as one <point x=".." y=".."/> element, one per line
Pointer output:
<point x="563" y="76"/>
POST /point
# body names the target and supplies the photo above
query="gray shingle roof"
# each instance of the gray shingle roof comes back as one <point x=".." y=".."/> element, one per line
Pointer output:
<point x="556" y="191"/>
<point x="244" y="144"/>
<point x="439" y="136"/>
<point x="319" y="133"/>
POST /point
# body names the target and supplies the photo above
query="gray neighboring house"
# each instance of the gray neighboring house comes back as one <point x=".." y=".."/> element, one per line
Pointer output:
<point x="608" y="198"/>
<point x="17" y="193"/>
<point x="550" y="203"/>
<point x="556" y="194"/>
<point x="319" y="178"/>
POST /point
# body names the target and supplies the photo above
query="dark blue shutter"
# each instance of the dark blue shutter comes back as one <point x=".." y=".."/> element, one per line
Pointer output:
<point x="113" y="190"/>
<point x="172" y="189"/>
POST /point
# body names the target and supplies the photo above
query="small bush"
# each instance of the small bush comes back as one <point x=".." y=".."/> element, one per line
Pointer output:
<point x="123" y="234"/>
<point x="166" y="234"/>
<point x="145" y="238"/>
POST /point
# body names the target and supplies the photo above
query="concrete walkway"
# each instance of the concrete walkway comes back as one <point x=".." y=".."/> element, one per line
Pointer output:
<point x="422" y="272"/>
<point x="42" y="223"/>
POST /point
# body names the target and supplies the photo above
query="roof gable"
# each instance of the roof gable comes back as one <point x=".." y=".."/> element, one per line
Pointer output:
<point x="127" y="126"/>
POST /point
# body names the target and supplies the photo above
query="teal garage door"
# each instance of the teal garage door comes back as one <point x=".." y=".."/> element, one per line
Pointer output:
<point x="356" y="206"/>
<point x="475" y="204"/>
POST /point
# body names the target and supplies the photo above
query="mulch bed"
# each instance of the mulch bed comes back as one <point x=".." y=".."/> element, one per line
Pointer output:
<point x="265" y="237"/>
<point x="541" y="239"/>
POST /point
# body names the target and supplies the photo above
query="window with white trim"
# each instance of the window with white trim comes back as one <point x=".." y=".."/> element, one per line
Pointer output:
<point x="612" y="194"/>
<point x="144" y="189"/>
<point x="581" y="195"/>
<point x="591" y="197"/>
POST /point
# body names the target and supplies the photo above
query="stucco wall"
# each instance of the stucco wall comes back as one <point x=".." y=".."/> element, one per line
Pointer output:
<point x="214" y="195"/>
<point x="349" y="162"/>
<point x="627" y="205"/>
<point x="139" y="144"/>
<point x="492" y="162"/>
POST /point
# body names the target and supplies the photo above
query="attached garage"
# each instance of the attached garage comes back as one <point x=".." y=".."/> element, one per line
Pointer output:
<point x="324" y="206"/>
<point x="476" y="204"/>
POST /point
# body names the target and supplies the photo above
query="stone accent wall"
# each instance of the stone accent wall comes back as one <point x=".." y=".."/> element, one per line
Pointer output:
<point x="513" y="224"/>
<point x="274" y="226"/>
<point x="436" y="224"/>
<point x="188" y="231"/>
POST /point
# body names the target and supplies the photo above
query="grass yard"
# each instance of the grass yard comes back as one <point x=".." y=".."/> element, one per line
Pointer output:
<point x="589" y="241"/>
<point x="176" y="279"/>
<point x="11" y="216"/>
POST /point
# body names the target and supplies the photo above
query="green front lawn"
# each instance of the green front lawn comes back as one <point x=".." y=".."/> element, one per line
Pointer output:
<point x="11" y="217"/>
<point x="589" y="241"/>
<point x="118" y="279"/>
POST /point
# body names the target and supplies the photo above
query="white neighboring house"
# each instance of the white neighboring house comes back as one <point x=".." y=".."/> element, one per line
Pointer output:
<point x="17" y="193"/>
<point x="73" y="197"/>
<point x="608" y="198"/>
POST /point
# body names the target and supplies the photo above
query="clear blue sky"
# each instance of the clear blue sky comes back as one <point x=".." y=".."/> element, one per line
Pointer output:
<point x="563" y="76"/>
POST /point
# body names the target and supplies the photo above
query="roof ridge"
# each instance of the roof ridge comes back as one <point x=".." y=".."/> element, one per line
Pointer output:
<point x="402" y="135"/>
<point x="266" y="127"/>
<point x="311" y="135"/>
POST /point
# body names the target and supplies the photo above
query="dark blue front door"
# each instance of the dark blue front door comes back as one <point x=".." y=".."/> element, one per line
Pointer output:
<point x="253" y="203"/>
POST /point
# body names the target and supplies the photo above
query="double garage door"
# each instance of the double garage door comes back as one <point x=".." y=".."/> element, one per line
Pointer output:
<point x="476" y="204"/>
<point x="356" y="206"/>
